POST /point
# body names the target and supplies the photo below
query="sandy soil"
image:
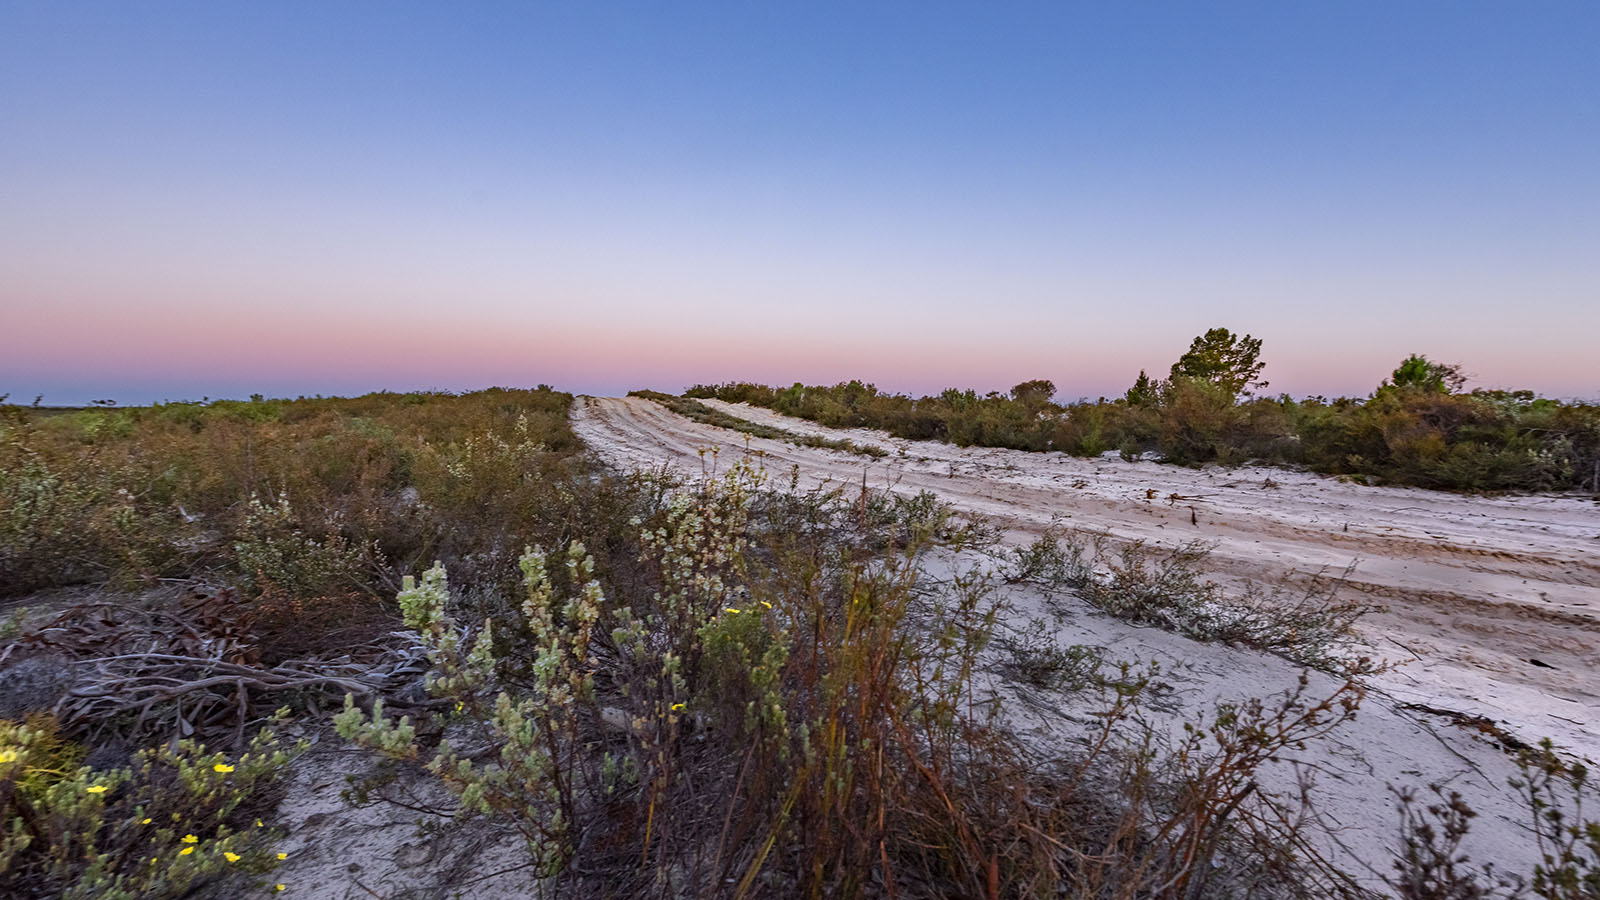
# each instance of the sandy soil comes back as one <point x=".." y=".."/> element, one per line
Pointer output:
<point x="1492" y="604"/>
<point x="338" y="851"/>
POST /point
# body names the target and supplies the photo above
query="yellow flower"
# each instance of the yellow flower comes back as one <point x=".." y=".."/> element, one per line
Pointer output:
<point x="230" y="856"/>
<point x="766" y="604"/>
<point x="283" y="856"/>
<point x="98" y="789"/>
<point x="186" y="851"/>
<point x="258" y="823"/>
<point x="282" y="887"/>
<point x="223" y="768"/>
<point x="153" y="860"/>
<point x="145" y="821"/>
<point x="677" y="706"/>
<point x="732" y="610"/>
<point x="8" y="756"/>
<point x="190" y="839"/>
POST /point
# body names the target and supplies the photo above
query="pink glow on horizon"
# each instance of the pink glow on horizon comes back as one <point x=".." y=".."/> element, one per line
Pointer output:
<point x="177" y="344"/>
<point x="342" y="352"/>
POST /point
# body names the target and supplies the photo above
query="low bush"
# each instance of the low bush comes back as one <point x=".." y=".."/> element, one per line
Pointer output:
<point x="173" y="820"/>
<point x="1164" y="587"/>
<point x="1430" y="864"/>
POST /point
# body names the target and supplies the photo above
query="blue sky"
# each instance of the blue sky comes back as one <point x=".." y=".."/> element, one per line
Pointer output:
<point x="218" y="199"/>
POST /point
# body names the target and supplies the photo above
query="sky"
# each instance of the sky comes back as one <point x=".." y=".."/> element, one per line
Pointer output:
<point x="219" y="199"/>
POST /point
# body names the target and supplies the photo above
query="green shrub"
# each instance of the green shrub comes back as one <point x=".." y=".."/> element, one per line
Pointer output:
<point x="176" y="818"/>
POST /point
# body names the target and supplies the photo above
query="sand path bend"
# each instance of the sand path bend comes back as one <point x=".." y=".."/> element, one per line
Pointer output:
<point x="1492" y="603"/>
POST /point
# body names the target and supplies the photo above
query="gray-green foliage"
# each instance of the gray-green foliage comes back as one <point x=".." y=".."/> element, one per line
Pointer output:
<point x="1165" y="587"/>
<point x="533" y="776"/>
<point x="276" y="551"/>
<point x="59" y="525"/>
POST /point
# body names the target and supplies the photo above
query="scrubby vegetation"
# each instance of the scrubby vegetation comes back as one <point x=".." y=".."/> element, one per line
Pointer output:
<point x="1152" y="586"/>
<point x="791" y="712"/>
<point x="1416" y="428"/>
<point x="302" y="499"/>
<point x="665" y="688"/>
<point x="175" y="818"/>
<point x="246" y="554"/>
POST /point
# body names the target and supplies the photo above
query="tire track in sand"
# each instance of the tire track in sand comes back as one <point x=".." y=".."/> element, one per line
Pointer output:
<point x="1474" y="587"/>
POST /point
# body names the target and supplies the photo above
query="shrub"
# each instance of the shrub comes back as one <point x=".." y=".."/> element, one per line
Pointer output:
<point x="176" y="818"/>
<point x="1164" y="588"/>
<point x="274" y="552"/>
<point x="127" y="494"/>
<point x="1430" y="865"/>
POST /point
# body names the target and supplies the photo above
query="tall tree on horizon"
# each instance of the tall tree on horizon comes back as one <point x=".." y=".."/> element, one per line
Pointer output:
<point x="1226" y="360"/>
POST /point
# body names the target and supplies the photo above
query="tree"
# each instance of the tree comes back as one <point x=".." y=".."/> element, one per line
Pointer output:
<point x="1420" y="372"/>
<point x="1034" y="393"/>
<point x="1144" y="391"/>
<point x="1224" y="359"/>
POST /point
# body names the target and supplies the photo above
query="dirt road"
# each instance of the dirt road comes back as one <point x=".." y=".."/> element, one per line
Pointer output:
<point x="1492" y="603"/>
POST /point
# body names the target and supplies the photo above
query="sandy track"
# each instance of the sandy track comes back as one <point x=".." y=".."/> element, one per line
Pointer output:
<point x="1475" y="588"/>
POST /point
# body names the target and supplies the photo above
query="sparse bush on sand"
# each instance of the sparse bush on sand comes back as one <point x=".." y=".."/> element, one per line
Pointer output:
<point x="1430" y="864"/>
<point x="1163" y="587"/>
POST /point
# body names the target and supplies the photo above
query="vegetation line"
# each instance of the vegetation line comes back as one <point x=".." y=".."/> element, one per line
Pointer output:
<point x="1418" y="427"/>
<point x="699" y="412"/>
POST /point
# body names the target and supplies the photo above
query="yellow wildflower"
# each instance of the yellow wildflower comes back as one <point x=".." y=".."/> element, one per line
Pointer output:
<point x="98" y="789"/>
<point x="258" y="823"/>
<point x="145" y="821"/>
<point x="283" y="856"/>
<point x="190" y="839"/>
<point x="282" y="887"/>
<point x="230" y="856"/>
<point x="732" y="610"/>
<point x="8" y="756"/>
<point x="766" y="604"/>
<point x="222" y="767"/>
<point x="186" y="851"/>
<point x="677" y="706"/>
